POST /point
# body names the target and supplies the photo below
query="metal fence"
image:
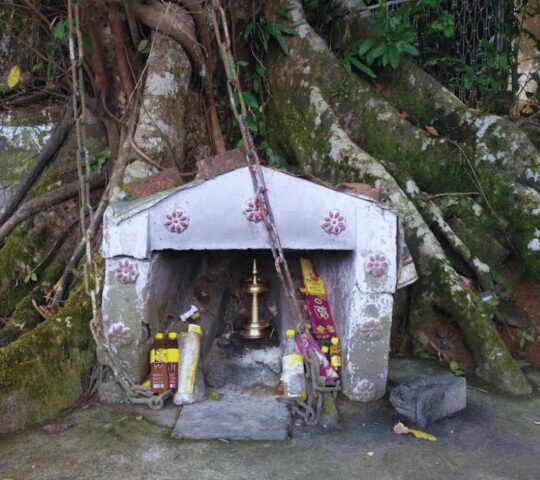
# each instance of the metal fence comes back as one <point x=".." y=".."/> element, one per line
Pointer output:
<point x="475" y="21"/>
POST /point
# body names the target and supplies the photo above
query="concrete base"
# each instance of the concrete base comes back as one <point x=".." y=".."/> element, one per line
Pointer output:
<point x="236" y="416"/>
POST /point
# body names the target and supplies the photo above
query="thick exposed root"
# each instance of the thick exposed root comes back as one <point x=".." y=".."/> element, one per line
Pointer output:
<point x="310" y="132"/>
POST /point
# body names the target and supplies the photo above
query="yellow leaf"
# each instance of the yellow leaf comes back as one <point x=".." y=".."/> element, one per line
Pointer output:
<point x="14" y="76"/>
<point x="139" y="417"/>
<point x="423" y="435"/>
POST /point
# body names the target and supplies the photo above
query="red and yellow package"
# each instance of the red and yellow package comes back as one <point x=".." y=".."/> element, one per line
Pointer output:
<point x="322" y="323"/>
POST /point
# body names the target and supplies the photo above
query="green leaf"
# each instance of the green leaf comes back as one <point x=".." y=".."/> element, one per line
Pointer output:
<point x="249" y="29"/>
<point x="250" y="100"/>
<point x="242" y="63"/>
<point x="144" y="46"/>
<point x="363" y="68"/>
<point x="285" y="29"/>
<point x="282" y="43"/>
<point x="394" y="56"/>
<point x="365" y="46"/>
<point x="376" y="52"/>
<point x="283" y="10"/>
<point x="256" y="84"/>
<point x="410" y="49"/>
<point x="61" y="30"/>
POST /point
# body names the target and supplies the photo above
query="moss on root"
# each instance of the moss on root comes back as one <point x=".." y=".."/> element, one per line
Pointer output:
<point x="45" y="371"/>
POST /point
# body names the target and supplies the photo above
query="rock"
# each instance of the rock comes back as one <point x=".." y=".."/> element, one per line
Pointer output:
<point x="426" y="399"/>
<point x="242" y="364"/>
<point x="237" y="416"/>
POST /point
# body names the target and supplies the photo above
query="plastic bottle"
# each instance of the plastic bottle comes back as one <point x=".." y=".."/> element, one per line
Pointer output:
<point x="187" y="372"/>
<point x="335" y="354"/>
<point x="173" y="358"/>
<point x="294" y="381"/>
<point x="159" y="379"/>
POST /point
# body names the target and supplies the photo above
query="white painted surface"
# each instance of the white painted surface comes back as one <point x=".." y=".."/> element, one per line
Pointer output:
<point x="217" y="221"/>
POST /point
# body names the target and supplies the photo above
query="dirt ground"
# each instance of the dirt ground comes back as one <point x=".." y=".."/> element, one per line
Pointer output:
<point x="496" y="437"/>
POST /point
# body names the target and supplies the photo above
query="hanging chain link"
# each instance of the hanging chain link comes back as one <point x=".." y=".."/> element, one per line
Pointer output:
<point x="310" y="410"/>
<point x="254" y="162"/>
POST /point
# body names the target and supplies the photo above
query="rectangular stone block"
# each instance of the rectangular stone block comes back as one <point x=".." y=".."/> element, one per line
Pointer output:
<point x="426" y="399"/>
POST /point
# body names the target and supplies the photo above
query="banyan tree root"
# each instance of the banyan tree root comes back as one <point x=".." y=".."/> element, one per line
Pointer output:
<point x="176" y="23"/>
<point x="308" y="125"/>
<point x="490" y="154"/>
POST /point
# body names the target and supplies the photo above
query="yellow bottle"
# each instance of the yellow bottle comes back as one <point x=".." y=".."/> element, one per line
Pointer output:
<point x="335" y="354"/>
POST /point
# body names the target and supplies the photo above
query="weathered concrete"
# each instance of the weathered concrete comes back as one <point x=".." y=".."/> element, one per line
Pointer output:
<point x="493" y="439"/>
<point x="426" y="399"/>
<point x="22" y="135"/>
<point x="236" y="416"/>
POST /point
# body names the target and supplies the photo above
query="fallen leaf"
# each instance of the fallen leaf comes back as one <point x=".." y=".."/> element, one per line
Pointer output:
<point x="139" y="418"/>
<point x="423" y="435"/>
<point x="14" y="76"/>
<point x="213" y="395"/>
<point x="432" y="131"/>
<point x="53" y="428"/>
<point x="400" y="429"/>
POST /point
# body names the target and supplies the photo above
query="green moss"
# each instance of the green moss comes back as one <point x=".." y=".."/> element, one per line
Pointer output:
<point x="49" y="365"/>
<point x="23" y="319"/>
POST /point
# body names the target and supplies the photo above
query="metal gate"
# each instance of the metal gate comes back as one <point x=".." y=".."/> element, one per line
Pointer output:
<point x="475" y="21"/>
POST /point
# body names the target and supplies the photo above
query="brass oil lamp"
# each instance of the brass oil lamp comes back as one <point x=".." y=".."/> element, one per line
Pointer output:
<point x="255" y="327"/>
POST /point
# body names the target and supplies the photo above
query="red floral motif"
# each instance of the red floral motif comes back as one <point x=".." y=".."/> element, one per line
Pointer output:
<point x="372" y="329"/>
<point x="176" y="221"/>
<point x="366" y="391"/>
<point x="119" y="334"/>
<point x="334" y="222"/>
<point x="252" y="210"/>
<point x="377" y="265"/>
<point x="126" y="271"/>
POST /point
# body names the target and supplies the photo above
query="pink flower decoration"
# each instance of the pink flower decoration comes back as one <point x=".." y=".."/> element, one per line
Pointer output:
<point x="372" y="329"/>
<point x="119" y="334"/>
<point x="377" y="265"/>
<point x="126" y="271"/>
<point x="252" y="210"/>
<point x="366" y="391"/>
<point x="334" y="222"/>
<point x="176" y="221"/>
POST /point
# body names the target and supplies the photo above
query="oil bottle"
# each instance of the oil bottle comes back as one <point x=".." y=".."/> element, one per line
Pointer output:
<point x="294" y="381"/>
<point x="159" y="381"/>
<point x="335" y="354"/>
<point x="173" y="358"/>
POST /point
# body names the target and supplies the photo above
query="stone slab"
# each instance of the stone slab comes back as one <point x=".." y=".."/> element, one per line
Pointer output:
<point x="426" y="399"/>
<point x="236" y="416"/>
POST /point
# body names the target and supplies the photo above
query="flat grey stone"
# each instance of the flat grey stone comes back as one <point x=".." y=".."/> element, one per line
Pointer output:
<point x="237" y="416"/>
<point x="426" y="399"/>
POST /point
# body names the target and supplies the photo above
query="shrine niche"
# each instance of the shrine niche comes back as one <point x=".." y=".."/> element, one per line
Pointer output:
<point x="195" y="245"/>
